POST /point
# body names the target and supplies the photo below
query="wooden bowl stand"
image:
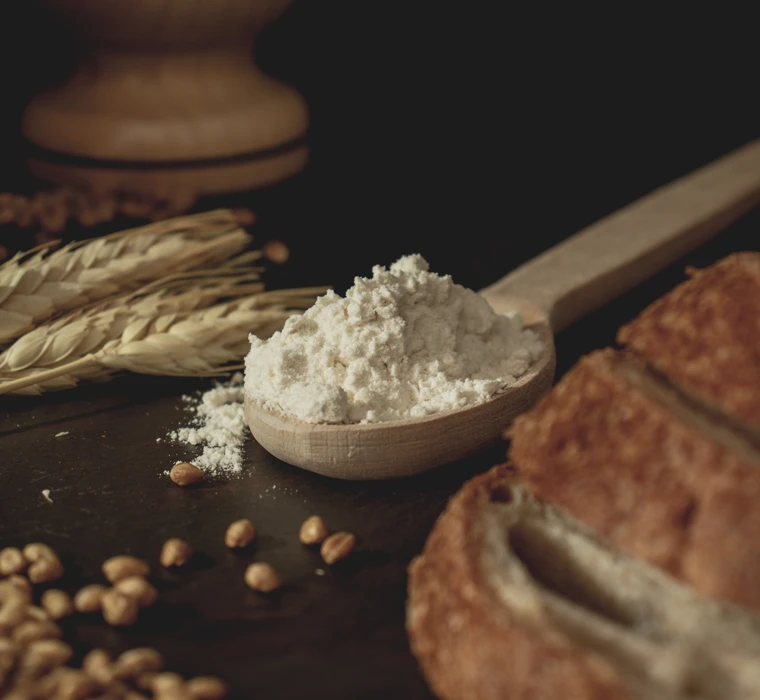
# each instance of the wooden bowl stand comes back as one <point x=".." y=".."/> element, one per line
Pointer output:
<point x="168" y="97"/>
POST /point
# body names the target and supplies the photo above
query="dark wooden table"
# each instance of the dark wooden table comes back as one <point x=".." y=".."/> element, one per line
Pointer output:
<point x="340" y="635"/>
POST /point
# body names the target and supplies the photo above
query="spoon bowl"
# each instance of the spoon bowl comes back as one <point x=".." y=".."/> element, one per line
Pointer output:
<point x="400" y="448"/>
<point x="550" y="292"/>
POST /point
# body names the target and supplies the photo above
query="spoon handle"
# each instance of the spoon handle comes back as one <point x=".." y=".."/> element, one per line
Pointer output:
<point x="611" y="256"/>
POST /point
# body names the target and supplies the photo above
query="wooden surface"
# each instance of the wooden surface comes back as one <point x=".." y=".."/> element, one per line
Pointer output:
<point x="334" y="636"/>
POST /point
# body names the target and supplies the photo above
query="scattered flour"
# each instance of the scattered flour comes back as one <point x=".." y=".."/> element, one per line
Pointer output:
<point x="219" y="426"/>
<point x="405" y="343"/>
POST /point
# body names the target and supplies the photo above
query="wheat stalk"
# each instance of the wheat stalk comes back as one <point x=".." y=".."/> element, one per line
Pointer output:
<point x="169" y="329"/>
<point x="39" y="284"/>
<point x="171" y="341"/>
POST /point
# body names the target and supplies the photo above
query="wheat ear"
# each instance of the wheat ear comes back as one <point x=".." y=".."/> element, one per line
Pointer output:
<point x="39" y="284"/>
<point x="163" y="332"/>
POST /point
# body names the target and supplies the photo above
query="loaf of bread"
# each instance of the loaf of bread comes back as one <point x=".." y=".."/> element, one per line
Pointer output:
<point x="657" y="446"/>
<point x="618" y="555"/>
<point x="513" y="599"/>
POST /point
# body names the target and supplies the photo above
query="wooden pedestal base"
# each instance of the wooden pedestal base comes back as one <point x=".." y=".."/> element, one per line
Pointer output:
<point x="168" y="97"/>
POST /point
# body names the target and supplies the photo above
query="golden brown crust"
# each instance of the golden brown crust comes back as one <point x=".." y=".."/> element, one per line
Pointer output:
<point x="466" y="641"/>
<point x="705" y="334"/>
<point x="653" y="486"/>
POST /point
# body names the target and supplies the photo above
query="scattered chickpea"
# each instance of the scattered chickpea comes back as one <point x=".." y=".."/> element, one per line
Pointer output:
<point x="175" y="552"/>
<point x="240" y="534"/>
<point x="122" y="566"/>
<point x="313" y="531"/>
<point x="119" y="609"/>
<point x="138" y="588"/>
<point x="57" y="603"/>
<point x="262" y="577"/>
<point x="337" y="546"/>
<point x="89" y="599"/>
<point x="185" y="473"/>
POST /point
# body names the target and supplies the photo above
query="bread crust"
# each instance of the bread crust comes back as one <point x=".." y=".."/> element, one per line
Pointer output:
<point x="467" y="643"/>
<point x="653" y="486"/>
<point x="705" y="334"/>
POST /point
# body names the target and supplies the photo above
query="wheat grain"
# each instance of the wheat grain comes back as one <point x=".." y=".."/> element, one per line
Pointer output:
<point x="39" y="284"/>
<point x="172" y="331"/>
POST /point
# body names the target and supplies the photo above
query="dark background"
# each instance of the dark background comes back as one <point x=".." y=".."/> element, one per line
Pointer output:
<point x="475" y="135"/>
<point x="473" y="138"/>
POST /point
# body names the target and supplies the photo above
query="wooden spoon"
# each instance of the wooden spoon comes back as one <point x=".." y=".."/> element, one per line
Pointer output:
<point x="551" y="291"/>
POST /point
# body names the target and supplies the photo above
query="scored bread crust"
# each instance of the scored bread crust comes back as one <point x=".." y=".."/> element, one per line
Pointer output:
<point x="467" y="643"/>
<point x="705" y="334"/>
<point x="657" y="488"/>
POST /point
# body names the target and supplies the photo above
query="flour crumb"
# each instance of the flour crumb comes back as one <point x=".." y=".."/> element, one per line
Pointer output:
<point x="62" y="433"/>
<point x="218" y="426"/>
<point x="405" y="343"/>
<point x="46" y="495"/>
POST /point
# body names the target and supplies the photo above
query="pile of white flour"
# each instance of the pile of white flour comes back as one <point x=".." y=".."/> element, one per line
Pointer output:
<point x="405" y="343"/>
<point x="218" y="425"/>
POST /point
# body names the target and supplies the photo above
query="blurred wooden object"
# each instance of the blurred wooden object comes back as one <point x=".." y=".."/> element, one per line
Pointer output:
<point x="167" y="97"/>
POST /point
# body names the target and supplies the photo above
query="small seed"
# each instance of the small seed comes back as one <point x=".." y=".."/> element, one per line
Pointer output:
<point x="206" y="688"/>
<point x="45" y="570"/>
<point x="185" y="473"/>
<point x="276" y="251"/>
<point x="119" y="609"/>
<point x="20" y="581"/>
<point x="240" y="534"/>
<point x="138" y="588"/>
<point x="74" y="684"/>
<point x="175" y="552"/>
<point x="57" y="603"/>
<point x="313" y="531"/>
<point x="134" y="662"/>
<point x="12" y="561"/>
<point x="89" y="599"/>
<point x="14" y="605"/>
<point x="122" y="566"/>
<point x="166" y="682"/>
<point x="35" y="612"/>
<point x="10" y="591"/>
<point x="245" y="217"/>
<point x="98" y="665"/>
<point x="262" y="577"/>
<point x="337" y="546"/>
<point x="34" y="630"/>
<point x="145" y="680"/>
<point x="9" y="651"/>
<point x="129" y="694"/>
<point x="46" y="653"/>
<point x="45" y="565"/>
